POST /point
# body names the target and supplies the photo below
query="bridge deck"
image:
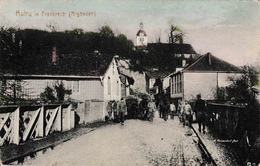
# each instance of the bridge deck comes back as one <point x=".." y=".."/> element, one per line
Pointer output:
<point x="17" y="152"/>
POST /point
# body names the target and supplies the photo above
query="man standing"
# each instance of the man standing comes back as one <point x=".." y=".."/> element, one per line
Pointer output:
<point x="122" y="110"/>
<point x="200" y="111"/>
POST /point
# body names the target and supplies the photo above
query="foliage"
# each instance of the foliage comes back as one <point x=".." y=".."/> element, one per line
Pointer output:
<point x="11" y="91"/>
<point x="33" y="48"/>
<point x="31" y="45"/>
<point x="48" y="95"/>
<point x="175" y="34"/>
<point x="61" y="91"/>
<point x="57" y="93"/>
<point x="220" y="94"/>
<point x="241" y="89"/>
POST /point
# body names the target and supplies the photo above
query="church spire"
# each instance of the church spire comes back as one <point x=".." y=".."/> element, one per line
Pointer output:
<point x="141" y="37"/>
<point x="141" y="26"/>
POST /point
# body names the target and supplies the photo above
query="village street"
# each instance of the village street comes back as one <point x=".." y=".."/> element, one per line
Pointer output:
<point x="135" y="143"/>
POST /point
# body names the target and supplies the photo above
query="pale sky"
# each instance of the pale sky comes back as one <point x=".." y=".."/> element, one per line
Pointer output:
<point x="229" y="29"/>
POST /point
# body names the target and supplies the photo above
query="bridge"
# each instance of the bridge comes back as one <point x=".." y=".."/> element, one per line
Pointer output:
<point x="40" y="134"/>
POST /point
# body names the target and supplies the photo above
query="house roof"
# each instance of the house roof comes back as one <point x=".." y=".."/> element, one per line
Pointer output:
<point x="124" y="71"/>
<point x="91" y="65"/>
<point x="158" y="74"/>
<point x="173" y="48"/>
<point x="210" y="63"/>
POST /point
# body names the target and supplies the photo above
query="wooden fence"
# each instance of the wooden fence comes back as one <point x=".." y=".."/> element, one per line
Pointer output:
<point x="19" y="124"/>
<point x="227" y="120"/>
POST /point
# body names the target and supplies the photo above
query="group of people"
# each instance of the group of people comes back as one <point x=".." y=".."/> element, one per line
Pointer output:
<point x="116" y="110"/>
<point x="186" y="113"/>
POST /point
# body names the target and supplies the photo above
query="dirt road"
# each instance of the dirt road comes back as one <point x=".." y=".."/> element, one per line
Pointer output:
<point x="135" y="143"/>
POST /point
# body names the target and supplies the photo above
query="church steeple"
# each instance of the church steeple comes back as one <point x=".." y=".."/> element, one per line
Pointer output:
<point x="141" y="26"/>
<point x="141" y="37"/>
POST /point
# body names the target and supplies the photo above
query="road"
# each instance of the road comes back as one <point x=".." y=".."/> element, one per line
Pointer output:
<point x="136" y="142"/>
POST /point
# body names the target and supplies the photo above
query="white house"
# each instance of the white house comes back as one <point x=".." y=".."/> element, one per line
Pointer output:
<point x="203" y="77"/>
<point x="101" y="83"/>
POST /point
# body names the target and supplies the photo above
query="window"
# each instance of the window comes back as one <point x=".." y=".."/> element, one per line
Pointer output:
<point x="177" y="84"/>
<point x="75" y="87"/>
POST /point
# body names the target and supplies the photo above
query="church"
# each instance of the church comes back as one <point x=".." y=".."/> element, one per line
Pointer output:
<point x="141" y="37"/>
<point x="179" y="49"/>
<point x="184" y="55"/>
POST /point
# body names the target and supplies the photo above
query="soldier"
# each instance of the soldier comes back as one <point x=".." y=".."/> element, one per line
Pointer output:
<point x="200" y="111"/>
<point x="122" y="110"/>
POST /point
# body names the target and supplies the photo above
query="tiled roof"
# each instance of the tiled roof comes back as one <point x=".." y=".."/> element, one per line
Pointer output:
<point x="210" y="63"/>
<point x="173" y="48"/>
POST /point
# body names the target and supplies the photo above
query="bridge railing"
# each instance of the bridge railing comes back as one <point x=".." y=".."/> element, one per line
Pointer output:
<point x="21" y="123"/>
<point x="227" y="120"/>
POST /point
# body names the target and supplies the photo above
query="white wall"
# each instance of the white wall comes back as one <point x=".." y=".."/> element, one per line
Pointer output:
<point x="205" y="84"/>
<point x="115" y="83"/>
<point x="199" y="83"/>
<point x="87" y="89"/>
<point x="166" y="82"/>
<point x="141" y="41"/>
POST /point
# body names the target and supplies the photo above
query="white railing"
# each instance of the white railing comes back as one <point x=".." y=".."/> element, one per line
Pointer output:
<point x="21" y="123"/>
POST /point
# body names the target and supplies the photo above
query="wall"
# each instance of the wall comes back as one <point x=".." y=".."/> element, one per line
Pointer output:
<point x="112" y="83"/>
<point x="89" y="89"/>
<point x="199" y="83"/>
<point x="90" y="111"/>
<point x="85" y="90"/>
<point x="205" y="84"/>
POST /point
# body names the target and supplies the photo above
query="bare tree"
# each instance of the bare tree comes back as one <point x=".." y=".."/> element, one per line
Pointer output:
<point x="175" y="34"/>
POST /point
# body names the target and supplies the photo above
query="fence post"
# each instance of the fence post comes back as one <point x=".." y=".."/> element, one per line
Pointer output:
<point x="41" y="122"/>
<point x="16" y="126"/>
<point x="59" y="119"/>
<point x="72" y="117"/>
<point x="68" y="116"/>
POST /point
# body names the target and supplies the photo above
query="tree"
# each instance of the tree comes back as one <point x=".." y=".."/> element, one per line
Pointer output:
<point x="48" y="95"/>
<point x="57" y="93"/>
<point x="175" y="34"/>
<point x="106" y="31"/>
<point x="61" y="91"/>
<point x="242" y="89"/>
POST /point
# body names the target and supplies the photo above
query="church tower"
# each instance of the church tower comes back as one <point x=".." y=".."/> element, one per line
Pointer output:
<point x="141" y="37"/>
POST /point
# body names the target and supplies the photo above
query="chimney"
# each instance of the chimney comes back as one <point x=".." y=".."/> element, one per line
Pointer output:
<point x="210" y="61"/>
<point x="54" y="56"/>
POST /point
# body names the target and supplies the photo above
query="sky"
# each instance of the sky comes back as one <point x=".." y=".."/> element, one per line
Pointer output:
<point x="228" y="29"/>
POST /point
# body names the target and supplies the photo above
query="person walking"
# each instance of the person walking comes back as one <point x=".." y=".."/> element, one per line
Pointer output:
<point x="200" y="112"/>
<point x="187" y="113"/>
<point x="180" y="110"/>
<point x="172" y="109"/>
<point x="122" y="110"/>
<point x="109" y="110"/>
<point x="164" y="108"/>
<point x="151" y="109"/>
